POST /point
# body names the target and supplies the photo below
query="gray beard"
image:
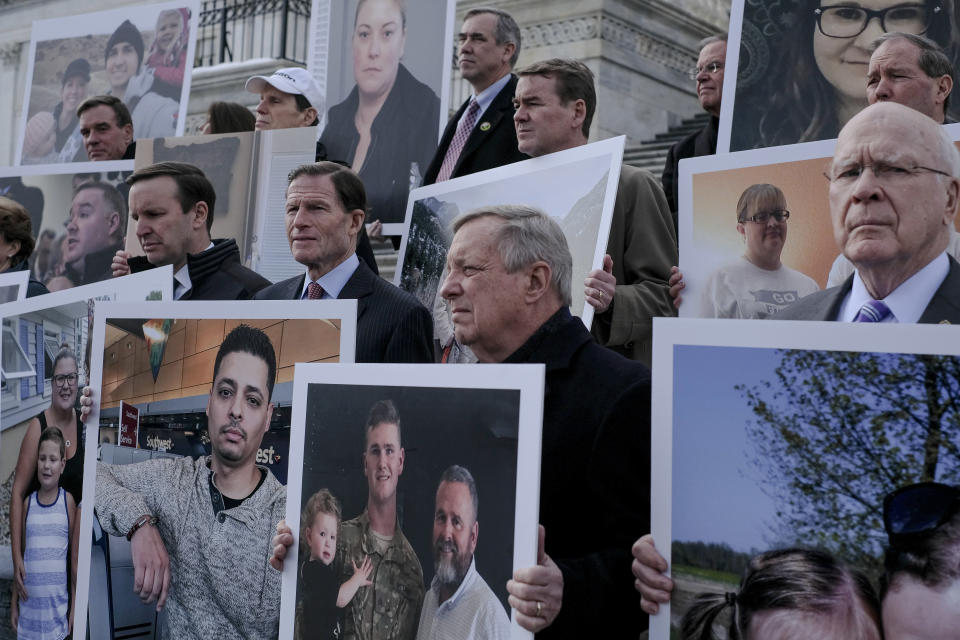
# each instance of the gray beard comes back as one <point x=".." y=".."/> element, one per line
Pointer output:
<point x="449" y="573"/>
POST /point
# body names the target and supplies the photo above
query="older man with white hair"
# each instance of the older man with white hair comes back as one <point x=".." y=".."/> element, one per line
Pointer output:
<point x="893" y="198"/>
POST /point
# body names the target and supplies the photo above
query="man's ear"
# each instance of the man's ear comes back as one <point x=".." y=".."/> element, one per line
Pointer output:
<point x="538" y="281"/>
<point x="953" y="198"/>
<point x="200" y="213"/>
<point x="114" y="224"/>
<point x="309" y="115"/>
<point x="128" y="132"/>
<point x="357" y="216"/>
<point x="579" y="113"/>
<point x="944" y="87"/>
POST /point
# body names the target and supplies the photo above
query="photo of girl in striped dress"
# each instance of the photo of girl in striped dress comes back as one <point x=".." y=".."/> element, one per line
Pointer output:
<point x="45" y="611"/>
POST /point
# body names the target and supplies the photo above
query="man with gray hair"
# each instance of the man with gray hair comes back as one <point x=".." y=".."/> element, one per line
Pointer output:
<point x="916" y="72"/>
<point x="459" y="603"/>
<point x="709" y="77"/>
<point x="480" y="134"/>
<point x="894" y="190"/>
<point x="508" y="286"/>
<point x="912" y="70"/>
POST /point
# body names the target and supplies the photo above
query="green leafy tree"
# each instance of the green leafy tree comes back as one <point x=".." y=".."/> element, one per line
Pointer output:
<point x="837" y="430"/>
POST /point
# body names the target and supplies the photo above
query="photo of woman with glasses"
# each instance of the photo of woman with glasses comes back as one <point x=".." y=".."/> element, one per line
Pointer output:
<point x="757" y="285"/>
<point x="920" y="589"/>
<point x="64" y="414"/>
<point x="803" y="63"/>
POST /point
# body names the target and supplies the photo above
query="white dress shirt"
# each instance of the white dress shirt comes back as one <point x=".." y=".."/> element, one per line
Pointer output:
<point x="908" y="301"/>
<point x="473" y="611"/>
<point x="485" y="97"/>
<point x="334" y="280"/>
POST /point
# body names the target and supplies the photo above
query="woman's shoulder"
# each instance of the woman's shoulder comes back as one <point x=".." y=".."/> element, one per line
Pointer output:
<point x="417" y="95"/>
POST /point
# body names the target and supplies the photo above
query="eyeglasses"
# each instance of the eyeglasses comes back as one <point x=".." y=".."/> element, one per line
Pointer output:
<point x="847" y="21"/>
<point x="883" y="171"/>
<point x="711" y="68"/>
<point x="762" y="217"/>
<point x="918" y="509"/>
<point x="64" y="380"/>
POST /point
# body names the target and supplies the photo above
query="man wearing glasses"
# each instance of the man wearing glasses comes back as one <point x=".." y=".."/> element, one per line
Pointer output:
<point x="893" y="194"/>
<point x="709" y="76"/>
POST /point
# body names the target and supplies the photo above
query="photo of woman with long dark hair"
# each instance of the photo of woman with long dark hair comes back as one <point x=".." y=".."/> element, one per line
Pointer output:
<point x="803" y="63"/>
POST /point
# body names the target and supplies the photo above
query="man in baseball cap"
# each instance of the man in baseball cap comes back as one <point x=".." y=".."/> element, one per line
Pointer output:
<point x="288" y="98"/>
<point x="291" y="98"/>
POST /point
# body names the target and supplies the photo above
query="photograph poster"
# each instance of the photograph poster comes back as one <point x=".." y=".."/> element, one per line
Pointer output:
<point x="78" y="218"/>
<point x="141" y="54"/>
<point x="454" y="453"/>
<point x="576" y="187"/>
<point x="164" y="365"/>
<point x="801" y="66"/>
<point x="780" y="435"/>
<point x="391" y="62"/>
<point x="45" y="358"/>
<point x="741" y="211"/>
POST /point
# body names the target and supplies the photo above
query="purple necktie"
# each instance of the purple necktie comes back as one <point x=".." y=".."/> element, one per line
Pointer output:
<point x="459" y="140"/>
<point x="872" y="311"/>
<point x="314" y="291"/>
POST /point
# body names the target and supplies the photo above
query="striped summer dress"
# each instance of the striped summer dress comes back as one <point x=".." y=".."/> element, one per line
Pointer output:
<point x="43" y="615"/>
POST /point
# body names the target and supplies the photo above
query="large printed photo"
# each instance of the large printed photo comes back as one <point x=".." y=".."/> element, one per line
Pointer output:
<point x="801" y="65"/>
<point x="177" y="374"/>
<point x="811" y="457"/>
<point x="411" y="502"/>
<point x="142" y="55"/>
<point x="387" y="84"/>
<point x="45" y="362"/>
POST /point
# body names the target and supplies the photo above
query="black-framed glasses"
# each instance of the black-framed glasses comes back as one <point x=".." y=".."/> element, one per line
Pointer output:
<point x="761" y="217"/>
<point x="918" y="509"/>
<point x="711" y="68"/>
<point x="883" y="171"/>
<point x="849" y="21"/>
<point x="66" y="379"/>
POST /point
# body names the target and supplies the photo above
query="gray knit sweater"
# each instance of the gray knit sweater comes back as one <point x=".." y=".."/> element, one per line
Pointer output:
<point x="221" y="584"/>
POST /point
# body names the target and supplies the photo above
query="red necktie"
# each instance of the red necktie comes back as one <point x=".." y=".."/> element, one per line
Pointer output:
<point x="314" y="291"/>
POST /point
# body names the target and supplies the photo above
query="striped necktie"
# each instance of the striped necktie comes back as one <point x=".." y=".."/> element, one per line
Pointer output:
<point x="872" y="311"/>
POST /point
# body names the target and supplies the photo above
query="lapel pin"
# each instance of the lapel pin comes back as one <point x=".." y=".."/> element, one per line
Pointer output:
<point x="485" y="126"/>
<point x="944" y="322"/>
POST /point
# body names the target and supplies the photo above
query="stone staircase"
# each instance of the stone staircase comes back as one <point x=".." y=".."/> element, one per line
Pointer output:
<point x="652" y="154"/>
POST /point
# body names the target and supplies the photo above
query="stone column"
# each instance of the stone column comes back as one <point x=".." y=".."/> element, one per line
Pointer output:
<point x="11" y="100"/>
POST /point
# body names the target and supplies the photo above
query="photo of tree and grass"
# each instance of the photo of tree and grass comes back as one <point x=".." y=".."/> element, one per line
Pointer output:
<point x="776" y="448"/>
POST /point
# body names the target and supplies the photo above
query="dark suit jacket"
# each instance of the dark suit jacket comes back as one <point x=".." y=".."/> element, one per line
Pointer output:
<point x="944" y="307"/>
<point x="392" y="326"/>
<point x="595" y="454"/>
<point x="488" y="146"/>
<point x="701" y="143"/>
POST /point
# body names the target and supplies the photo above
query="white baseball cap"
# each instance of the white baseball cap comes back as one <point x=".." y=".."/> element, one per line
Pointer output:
<point x="293" y="80"/>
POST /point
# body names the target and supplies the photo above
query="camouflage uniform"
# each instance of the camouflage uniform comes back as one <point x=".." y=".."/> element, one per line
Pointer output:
<point x="389" y="609"/>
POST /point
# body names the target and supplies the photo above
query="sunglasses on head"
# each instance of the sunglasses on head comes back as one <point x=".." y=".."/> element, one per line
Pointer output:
<point x="918" y="509"/>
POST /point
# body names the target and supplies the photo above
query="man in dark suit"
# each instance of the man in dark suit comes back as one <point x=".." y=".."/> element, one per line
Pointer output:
<point x="482" y="137"/>
<point x="709" y="76"/>
<point x="325" y="212"/>
<point x="172" y="204"/>
<point x="891" y="221"/>
<point x="508" y="285"/>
